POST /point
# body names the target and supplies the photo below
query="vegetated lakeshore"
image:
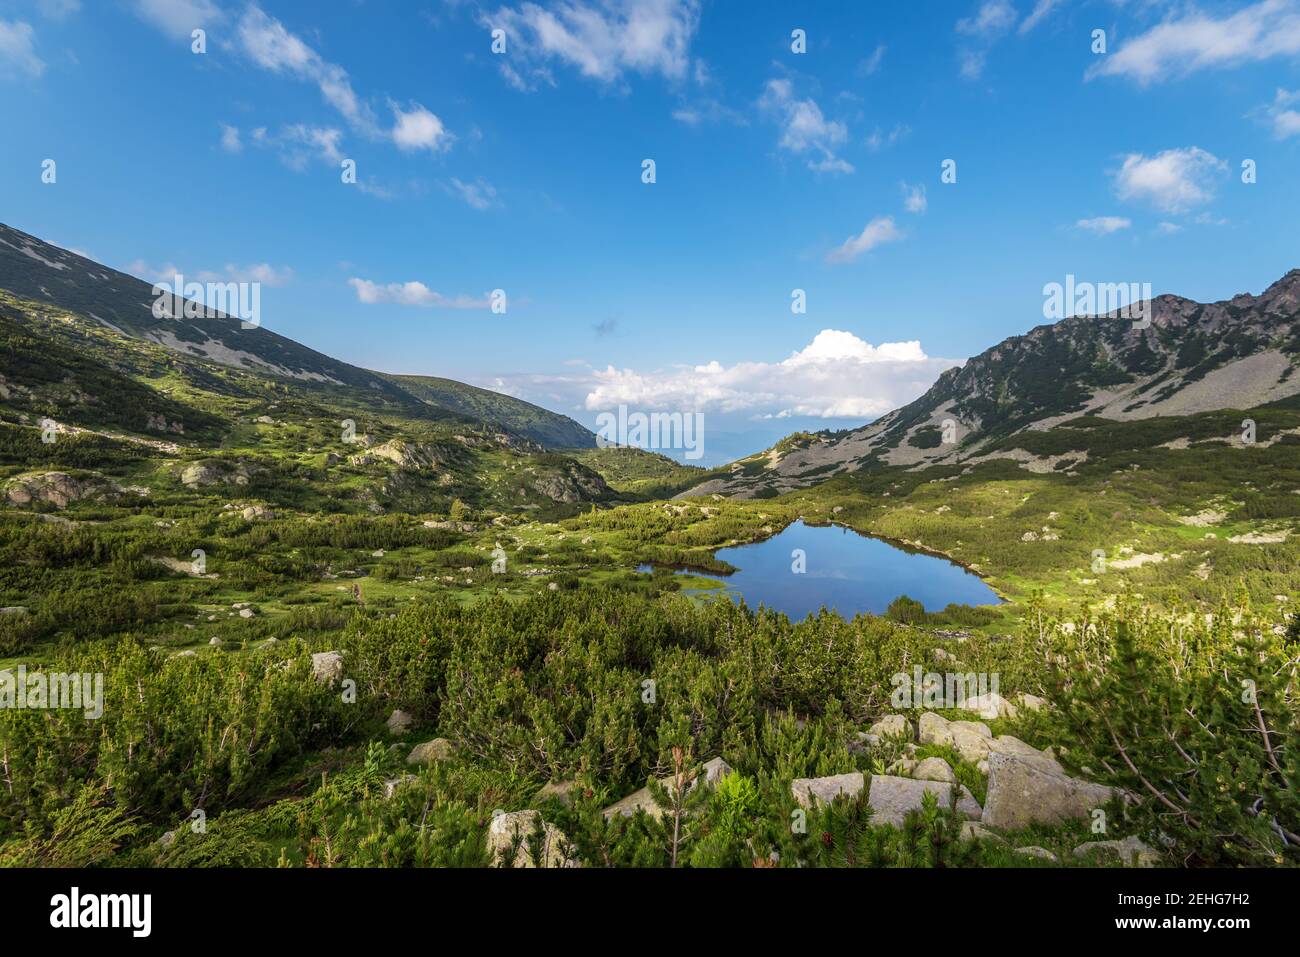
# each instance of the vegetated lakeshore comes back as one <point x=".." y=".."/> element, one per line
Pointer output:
<point x="804" y="568"/>
<point x="302" y="634"/>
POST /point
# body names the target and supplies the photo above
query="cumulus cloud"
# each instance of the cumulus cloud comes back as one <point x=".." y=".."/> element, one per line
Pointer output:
<point x="1198" y="41"/>
<point x="18" y="49"/>
<point x="877" y="232"/>
<point x="837" y="375"/>
<point x="602" y="41"/>
<point x="1104" y="225"/>
<point x="412" y="294"/>
<point x="1173" y="181"/>
<point x="418" y="129"/>
<point x="804" y="128"/>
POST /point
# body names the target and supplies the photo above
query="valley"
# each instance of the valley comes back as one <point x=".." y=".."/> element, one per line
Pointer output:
<point x="326" y="601"/>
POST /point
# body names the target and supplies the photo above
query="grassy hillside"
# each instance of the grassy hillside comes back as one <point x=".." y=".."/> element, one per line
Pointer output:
<point x="523" y="418"/>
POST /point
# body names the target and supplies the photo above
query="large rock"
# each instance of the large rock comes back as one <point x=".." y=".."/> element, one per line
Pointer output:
<point x="934" y="769"/>
<point x="561" y="791"/>
<point x="399" y="722"/>
<point x="1033" y="850"/>
<point x="891" y="798"/>
<point x="825" y="790"/>
<point x="439" y="749"/>
<point x="216" y="472"/>
<point x="59" y="489"/>
<point x="327" y="666"/>
<point x="392" y="785"/>
<point x="933" y="729"/>
<point x="714" y="770"/>
<point x="1026" y="790"/>
<point x="894" y="725"/>
<point x="1132" y="851"/>
<point x="975" y="831"/>
<point x="518" y="826"/>
<point x="640" y="800"/>
<point x="410" y="455"/>
<point x="990" y="705"/>
<point x="971" y="739"/>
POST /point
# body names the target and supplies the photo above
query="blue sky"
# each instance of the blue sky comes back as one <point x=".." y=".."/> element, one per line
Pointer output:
<point x="775" y="171"/>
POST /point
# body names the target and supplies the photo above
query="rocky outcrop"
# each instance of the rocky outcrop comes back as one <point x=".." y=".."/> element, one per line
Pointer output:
<point x="891" y="725"/>
<point x="399" y="722"/>
<point x="573" y="484"/>
<point x="1131" y="851"/>
<point x="59" y="489"/>
<point x="891" y="798"/>
<point x="393" y="785"/>
<point x="934" y="769"/>
<point x="1034" y="850"/>
<point x="711" y="773"/>
<point x="1026" y="789"/>
<point x="409" y="455"/>
<point x="439" y="749"/>
<point x="970" y="739"/>
<point x="808" y="791"/>
<point x="515" y="832"/>
<point x="327" y="666"/>
<point x="217" y="472"/>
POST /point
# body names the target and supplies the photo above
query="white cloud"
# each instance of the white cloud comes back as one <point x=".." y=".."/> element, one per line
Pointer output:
<point x="418" y="129"/>
<point x="18" y="49"/>
<point x="804" y="128"/>
<point x="480" y="194"/>
<point x="877" y="232"/>
<point x="601" y="40"/>
<point x="58" y="9"/>
<point x="1197" y="41"/>
<point x="914" y="198"/>
<point x="879" y="139"/>
<point x="179" y="18"/>
<point x="993" y="17"/>
<point x="1284" y="120"/>
<point x="300" y="144"/>
<point x="263" y="273"/>
<point x="837" y="375"/>
<point x="1173" y="181"/>
<point x="1040" y="12"/>
<point x="267" y="43"/>
<point x="411" y="294"/>
<point x="230" y="141"/>
<point x="871" y="64"/>
<point x="1104" y="225"/>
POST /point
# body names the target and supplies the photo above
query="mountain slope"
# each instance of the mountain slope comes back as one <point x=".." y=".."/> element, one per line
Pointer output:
<point x="1191" y="358"/>
<point x="541" y="425"/>
<point x="34" y="270"/>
